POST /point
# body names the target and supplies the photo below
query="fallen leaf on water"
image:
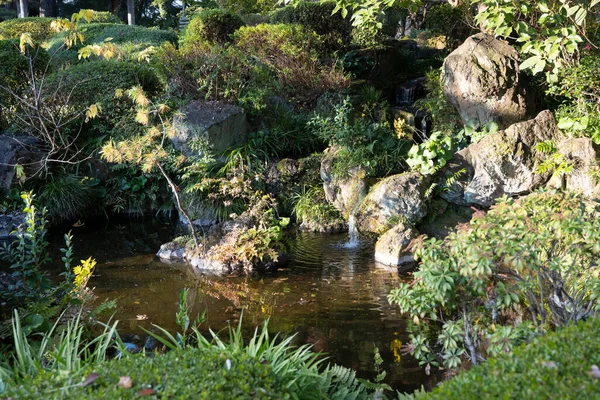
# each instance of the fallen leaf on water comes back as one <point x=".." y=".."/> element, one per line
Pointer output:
<point x="124" y="382"/>
<point x="90" y="379"/>
<point x="146" y="392"/>
<point x="595" y="372"/>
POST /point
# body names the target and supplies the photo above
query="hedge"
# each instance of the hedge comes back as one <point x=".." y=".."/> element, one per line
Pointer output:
<point x="39" y="28"/>
<point x="188" y="374"/>
<point x="557" y="365"/>
<point x="129" y="39"/>
<point x="333" y="28"/>
<point x="213" y="26"/>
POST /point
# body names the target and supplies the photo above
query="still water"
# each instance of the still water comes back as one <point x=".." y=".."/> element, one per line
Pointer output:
<point x="331" y="295"/>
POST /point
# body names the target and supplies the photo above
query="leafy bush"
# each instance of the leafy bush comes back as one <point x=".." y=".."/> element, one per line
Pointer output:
<point x="314" y="213"/>
<point x="39" y="28"/>
<point x="14" y="73"/>
<point x="525" y="267"/>
<point x="105" y="17"/>
<point x="217" y="73"/>
<point x="293" y="54"/>
<point x="558" y="365"/>
<point x="360" y="141"/>
<point x="102" y="78"/>
<point x="244" y="7"/>
<point x="334" y="29"/>
<point x="213" y="26"/>
<point x="444" y="116"/>
<point x="578" y="89"/>
<point x="130" y="41"/>
<point x="432" y="155"/>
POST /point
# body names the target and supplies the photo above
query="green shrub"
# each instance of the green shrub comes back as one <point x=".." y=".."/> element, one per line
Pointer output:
<point x="525" y="267"/>
<point x="39" y="28"/>
<point x="104" y="17"/>
<point x="102" y="78"/>
<point x="213" y="26"/>
<point x="293" y="53"/>
<point x="558" y="365"/>
<point x="360" y="141"/>
<point x="249" y="6"/>
<point x="130" y="41"/>
<point x="75" y="85"/>
<point x="14" y="73"/>
<point x="192" y="373"/>
<point x="314" y="213"/>
<point x="334" y="29"/>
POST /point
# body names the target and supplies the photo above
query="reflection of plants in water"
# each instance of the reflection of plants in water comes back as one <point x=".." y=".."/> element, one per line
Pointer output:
<point x="242" y="295"/>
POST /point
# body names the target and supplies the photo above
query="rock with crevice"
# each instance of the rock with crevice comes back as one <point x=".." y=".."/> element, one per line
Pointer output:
<point x="219" y="125"/>
<point x="391" y="247"/>
<point x="502" y="163"/>
<point x="398" y="198"/>
<point x="482" y="80"/>
<point x="10" y="222"/>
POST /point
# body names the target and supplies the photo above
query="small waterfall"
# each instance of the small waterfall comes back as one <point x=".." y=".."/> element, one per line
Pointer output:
<point x="353" y="241"/>
<point x="424" y="127"/>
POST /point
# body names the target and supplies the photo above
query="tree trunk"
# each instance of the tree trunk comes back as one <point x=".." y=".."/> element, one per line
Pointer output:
<point x="23" y="9"/>
<point x="113" y="6"/>
<point x="130" y="12"/>
<point x="47" y="8"/>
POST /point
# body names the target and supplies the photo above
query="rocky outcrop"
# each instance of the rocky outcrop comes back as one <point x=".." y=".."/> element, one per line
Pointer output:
<point x="345" y="193"/>
<point x="220" y="124"/>
<point x="9" y="223"/>
<point x="398" y="198"/>
<point x="502" y="163"/>
<point x="582" y="155"/>
<point x="391" y="247"/>
<point x="482" y="80"/>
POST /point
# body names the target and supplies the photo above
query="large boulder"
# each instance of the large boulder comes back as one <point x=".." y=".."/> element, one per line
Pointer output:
<point x="221" y="125"/>
<point x="398" y="198"/>
<point x="347" y="192"/>
<point x="582" y="155"/>
<point x="502" y="163"/>
<point x="11" y="222"/>
<point x="391" y="247"/>
<point x="482" y="80"/>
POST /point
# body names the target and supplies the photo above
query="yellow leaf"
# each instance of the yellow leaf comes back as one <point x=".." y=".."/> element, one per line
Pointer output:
<point x="25" y="40"/>
<point x="93" y="111"/>
<point x="118" y="93"/>
<point x="141" y="117"/>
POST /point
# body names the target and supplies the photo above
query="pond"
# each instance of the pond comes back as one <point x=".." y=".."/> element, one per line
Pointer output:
<point x="331" y="295"/>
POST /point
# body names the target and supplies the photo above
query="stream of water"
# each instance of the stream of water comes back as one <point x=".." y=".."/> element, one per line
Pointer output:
<point x="332" y="295"/>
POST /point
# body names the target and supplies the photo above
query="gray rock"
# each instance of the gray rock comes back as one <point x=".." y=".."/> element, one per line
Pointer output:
<point x="398" y="198"/>
<point x="171" y="252"/>
<point x="10" y="222"/>
<point x="502" y="163"/>
<point x="222" y="125"/>
<point x="582" y="154"/>
<point x="346" y="193"/>
<point x="483" y="82"/>
<point x="22" y="150"/>
<point x="391" y="247"/>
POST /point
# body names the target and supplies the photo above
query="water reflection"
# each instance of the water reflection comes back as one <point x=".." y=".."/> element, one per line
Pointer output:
<point x="330" y="296"/>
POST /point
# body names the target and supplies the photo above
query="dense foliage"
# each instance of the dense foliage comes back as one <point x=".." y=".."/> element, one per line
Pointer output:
<point x="212" y="25"/>
<point x="333" y="28"/>
<point x="562" y="364"/>
<point x="525" y="267"/>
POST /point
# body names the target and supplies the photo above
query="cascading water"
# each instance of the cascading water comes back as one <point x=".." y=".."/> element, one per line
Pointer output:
<point x="353" y="241"/>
